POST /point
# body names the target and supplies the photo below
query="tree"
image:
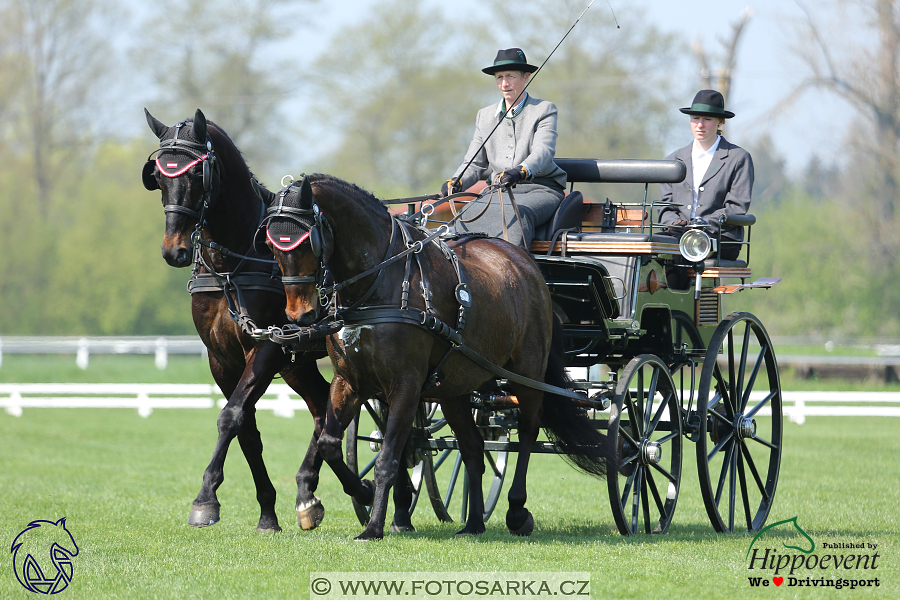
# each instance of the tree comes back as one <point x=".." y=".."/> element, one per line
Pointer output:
<point x="212" y="55"/>
<point x="866" y="75"/>
<point x="408" y="104"/>
<point x="54" y="58"/>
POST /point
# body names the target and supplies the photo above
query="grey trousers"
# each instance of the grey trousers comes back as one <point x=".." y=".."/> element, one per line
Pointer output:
<point x="536" y="203"/>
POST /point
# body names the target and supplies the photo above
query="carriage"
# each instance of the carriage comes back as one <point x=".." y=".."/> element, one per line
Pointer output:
<point x="649" y="345"/>
<point x="642" y="333"/>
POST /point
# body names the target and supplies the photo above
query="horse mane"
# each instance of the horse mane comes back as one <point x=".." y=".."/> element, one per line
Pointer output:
<point x="348" y="188"/>
<point x="238" y="155"/>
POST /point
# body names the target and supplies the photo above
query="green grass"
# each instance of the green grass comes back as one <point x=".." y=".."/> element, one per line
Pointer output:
<point x="125" y="485"/>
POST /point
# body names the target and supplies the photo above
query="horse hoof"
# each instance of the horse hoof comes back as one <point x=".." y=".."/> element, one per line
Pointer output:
<point x="525" y="529"/>
<point x="203" y="515"/>
<point x="367" y="537"/>
<point x="402" y="528"/>
<point x="468" y="532"/>
<point x="368" y="492"/>
<point x="269" y="529"/>
<point x="310" y="514"/>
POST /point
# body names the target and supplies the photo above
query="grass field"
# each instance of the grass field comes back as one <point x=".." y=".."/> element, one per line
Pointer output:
<point x="125" y="485"/>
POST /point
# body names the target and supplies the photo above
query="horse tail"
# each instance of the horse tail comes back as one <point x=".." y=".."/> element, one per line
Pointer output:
<point x="566" y="424"/>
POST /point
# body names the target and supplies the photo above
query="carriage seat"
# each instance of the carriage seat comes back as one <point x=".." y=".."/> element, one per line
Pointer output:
<point x="568" y="215"/>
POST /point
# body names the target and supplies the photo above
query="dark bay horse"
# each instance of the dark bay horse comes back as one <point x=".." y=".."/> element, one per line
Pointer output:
<point x="207" y="193"/>
<point x="489" y="292"/>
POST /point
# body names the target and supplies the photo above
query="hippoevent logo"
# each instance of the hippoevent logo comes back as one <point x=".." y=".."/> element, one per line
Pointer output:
<point x="838" y="564"/>
<point x="42" y="556"/>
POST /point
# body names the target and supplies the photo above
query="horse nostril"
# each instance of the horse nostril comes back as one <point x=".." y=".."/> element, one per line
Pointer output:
<point x="183" y="256"/>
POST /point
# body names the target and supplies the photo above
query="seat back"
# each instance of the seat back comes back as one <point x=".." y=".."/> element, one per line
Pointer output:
<point x="568" y="215"/>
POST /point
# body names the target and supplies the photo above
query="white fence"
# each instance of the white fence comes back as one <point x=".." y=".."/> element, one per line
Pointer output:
<point x="82" y="347"/>
<point x="145" y="398"/>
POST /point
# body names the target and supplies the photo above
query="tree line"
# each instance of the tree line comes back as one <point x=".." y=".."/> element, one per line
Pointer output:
<point x="79" y="236"/>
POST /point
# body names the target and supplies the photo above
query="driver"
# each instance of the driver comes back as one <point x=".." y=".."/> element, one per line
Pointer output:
<point x="520" y="151"/>
<point x="719" y="175"/>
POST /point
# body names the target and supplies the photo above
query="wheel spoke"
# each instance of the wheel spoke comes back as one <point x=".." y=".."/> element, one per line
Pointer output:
<point x="731" y="374"/>
<point x="751" y="383"/>
<point x="726" y="464"/>
<point x="744" y="493"/>
<point x="668" y="437"/>
<point x="742" y="368"/>
<point x="660" y="505"/>
<point x="375" y="416"/>
<point x="492" y="464"/>
<point x="636" y="499"/>
<point x="726" y="420"/>
<point x="646" y="503"/>
<point x="651" y="427"/>
<point x="753" y="471"/>
<point x="765" y="443"/>
<point x="452" y="484"/>
<point x="731" y="486"/>
<point x="651" y="393"/>
<point x="444" y="455"/>
<point x="368" y="467"/>
<point x="718" y="446"/>
<point x="771" y="396"/>
<point x="629" y="481"/>
<point x="665" y="473"/>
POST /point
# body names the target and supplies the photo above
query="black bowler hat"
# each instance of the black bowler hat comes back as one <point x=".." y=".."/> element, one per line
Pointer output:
<point x="511" y="59"/>
<point x="708" y="103"/>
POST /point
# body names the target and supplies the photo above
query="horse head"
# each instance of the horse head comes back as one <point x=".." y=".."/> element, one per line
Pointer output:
<point x="185" y="169"/>
<point x="302" y="242"/>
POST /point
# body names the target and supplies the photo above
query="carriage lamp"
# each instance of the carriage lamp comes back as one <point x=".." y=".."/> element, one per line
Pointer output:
<point x="695" y="245"/>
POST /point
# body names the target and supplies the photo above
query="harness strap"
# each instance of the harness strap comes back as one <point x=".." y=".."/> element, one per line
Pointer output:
<point x="209" y="282"/>
<point x="414" y="316"/>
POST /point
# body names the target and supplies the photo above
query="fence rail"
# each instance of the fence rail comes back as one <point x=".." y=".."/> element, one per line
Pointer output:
<point x="283" y="401"/>
<point x="145" y="397"/>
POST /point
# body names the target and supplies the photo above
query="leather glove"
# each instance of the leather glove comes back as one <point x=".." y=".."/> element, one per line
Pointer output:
<point x="451" y="186"/>
<point x="511" y="176"/>
<point x="680" y="223"/>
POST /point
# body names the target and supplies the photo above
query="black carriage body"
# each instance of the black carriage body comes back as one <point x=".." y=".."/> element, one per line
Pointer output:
<point x="659" y="363"/>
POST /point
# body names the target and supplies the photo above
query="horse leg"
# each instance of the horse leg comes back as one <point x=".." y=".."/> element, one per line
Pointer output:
<point x="233" y="421"/>
<point x="471" y="447"/>
<point x="403" y="494"/>
<point x="342" y="408"/>
<point x="519" y="520"/>
<point x="400" y="418"/>
<point x="307" y="381"/>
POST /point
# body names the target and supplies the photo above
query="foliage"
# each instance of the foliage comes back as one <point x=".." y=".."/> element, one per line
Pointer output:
<point x="830" y="284"/>
<point x="92" y="267"/>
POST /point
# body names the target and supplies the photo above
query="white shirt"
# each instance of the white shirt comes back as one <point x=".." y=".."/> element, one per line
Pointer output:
<point x="700" y="160"/>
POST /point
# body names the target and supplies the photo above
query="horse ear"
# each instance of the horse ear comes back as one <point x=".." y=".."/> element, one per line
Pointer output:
<point x="262" y="193"/>
<point x="158" y="127"/>
<point x="306" y="195"/>
<point x="200" y="126"/>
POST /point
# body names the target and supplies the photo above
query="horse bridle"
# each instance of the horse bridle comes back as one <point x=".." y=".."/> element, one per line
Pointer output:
<point x="313" y="234"/>
<point x="202" y="153"/>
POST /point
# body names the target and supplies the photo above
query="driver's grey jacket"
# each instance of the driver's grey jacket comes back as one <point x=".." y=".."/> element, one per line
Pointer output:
<point x="528" y="138"/>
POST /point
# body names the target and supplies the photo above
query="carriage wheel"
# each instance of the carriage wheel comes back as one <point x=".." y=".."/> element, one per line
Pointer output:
<point x="740" y="418"/>
<point x="645" y="426"/>
<point x="360" y="446"/>
<point x="447" y="472"/>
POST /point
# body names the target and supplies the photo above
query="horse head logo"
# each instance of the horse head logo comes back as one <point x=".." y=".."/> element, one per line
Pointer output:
<point x="42" y="556"/>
